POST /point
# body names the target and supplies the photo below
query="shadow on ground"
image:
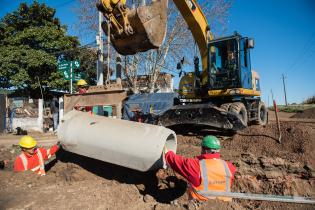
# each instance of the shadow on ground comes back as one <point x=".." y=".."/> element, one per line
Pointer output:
<point x="198" y="130"/>
<point x="174" y="189"/>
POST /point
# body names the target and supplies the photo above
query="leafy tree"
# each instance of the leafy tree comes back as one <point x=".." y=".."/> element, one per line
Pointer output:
<point x="31" y="40"/>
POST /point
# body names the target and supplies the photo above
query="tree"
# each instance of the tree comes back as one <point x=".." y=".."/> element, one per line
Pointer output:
<point x="31" y="41"/>
<point x="178" y="42"/>
<point x="88" y="57"/>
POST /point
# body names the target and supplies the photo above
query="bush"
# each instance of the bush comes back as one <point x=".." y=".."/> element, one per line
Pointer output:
<point x="310" y="100"/>
<point x="292" y="108"/>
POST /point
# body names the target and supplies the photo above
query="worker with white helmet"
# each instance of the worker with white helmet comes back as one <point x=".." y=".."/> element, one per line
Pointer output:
<point x="33" y="158"/>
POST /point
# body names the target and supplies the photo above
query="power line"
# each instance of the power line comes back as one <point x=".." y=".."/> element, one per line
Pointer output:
<point x="306" y="48"/>
<point x="285" y="92"/>
<point x="304" y="60"/>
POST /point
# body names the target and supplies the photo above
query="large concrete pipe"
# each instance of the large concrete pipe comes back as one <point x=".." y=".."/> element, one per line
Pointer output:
<point x="130" y="144"/>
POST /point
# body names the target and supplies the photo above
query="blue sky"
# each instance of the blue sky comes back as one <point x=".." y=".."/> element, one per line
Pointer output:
<point x="284" y="33"/>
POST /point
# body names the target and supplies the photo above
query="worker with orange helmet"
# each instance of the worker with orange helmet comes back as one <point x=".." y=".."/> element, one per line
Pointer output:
<point x="33" y="158"/>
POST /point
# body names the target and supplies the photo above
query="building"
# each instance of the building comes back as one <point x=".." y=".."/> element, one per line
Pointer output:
<point x="164" y="83"/>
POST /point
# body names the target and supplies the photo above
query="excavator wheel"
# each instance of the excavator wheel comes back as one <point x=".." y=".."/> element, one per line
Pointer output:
<point x="239" y="109"/>
<point x="261" y="114"/>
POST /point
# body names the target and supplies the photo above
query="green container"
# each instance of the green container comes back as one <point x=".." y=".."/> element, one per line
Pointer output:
<point x="97" y="110"/>
<point x="108" y="111"/>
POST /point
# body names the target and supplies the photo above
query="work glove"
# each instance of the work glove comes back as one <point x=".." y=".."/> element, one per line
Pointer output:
<point x="59" y="144"/>
<point x="165" y="150"/>
<point x="6" y="162"/>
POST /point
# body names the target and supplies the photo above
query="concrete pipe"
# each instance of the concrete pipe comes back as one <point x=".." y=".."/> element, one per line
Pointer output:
<point x="130" y="144"/>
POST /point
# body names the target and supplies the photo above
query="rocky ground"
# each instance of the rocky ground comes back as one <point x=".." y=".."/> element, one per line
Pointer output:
<point x="264" y="166"/>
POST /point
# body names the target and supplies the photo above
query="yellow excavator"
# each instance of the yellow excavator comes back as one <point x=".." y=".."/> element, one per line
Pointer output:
<point x="225" y="94"/>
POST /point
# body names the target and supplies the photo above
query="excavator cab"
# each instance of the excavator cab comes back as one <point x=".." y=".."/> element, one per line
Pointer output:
<point x="134" y="30"/>
<point x="230" y="65"/>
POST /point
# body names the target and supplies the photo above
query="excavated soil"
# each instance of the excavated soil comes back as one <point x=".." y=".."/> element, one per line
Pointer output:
<point x="308" y="114"/>
<point x="263" y="166"/>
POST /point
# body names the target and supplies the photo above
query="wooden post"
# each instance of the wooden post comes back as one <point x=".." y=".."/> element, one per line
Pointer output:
<point x="40" y="119"/>
<point x="277" y="119"/>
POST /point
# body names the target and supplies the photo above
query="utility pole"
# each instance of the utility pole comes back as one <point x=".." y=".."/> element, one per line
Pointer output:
<point x="71" y="77"/>
<point x="108" y="53"/>
<point x="285" y="93"/>
<point x="99" y="41"/>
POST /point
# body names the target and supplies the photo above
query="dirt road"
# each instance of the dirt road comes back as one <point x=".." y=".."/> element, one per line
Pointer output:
<point x="72" y="182"/>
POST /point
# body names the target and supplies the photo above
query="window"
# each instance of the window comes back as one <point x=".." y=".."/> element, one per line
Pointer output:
<point x="245" y="57"/>
<point x="257" y="84"/>
<point x="224" y="55"/>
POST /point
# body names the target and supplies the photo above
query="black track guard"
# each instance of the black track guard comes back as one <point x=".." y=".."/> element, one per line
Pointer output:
<point x="201" y="114"/>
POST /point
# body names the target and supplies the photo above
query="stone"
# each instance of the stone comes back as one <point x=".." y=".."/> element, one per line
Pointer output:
<point x="273" y="174"/>
<point x="279" y="162"/>
<point x="148" y="199"/>
<point x="175" y="202"/>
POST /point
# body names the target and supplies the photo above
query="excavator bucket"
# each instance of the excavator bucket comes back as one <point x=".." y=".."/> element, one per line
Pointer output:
<point x="148" y="29"/>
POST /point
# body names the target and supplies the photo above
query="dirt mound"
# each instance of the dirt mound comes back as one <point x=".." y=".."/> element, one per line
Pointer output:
<point x="308" y="114"/>
<point x="273" y="176"/>
<point x="297" y="143"/>
<point x="84" y="182"/>
<point x="263" y="166"/>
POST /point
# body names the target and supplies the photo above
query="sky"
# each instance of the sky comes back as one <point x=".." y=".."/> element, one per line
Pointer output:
<point x="284" y="33"/>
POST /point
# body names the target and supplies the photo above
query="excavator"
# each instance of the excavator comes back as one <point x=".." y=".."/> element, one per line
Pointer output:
<point x="224" y="93"/>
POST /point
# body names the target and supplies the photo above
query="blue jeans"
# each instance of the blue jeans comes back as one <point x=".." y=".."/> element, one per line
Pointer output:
<point x="55" y="118"/>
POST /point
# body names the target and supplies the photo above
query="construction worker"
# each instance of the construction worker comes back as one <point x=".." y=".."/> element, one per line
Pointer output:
<point x="231" y="63"/>
<point x="33" y="158"/>
<point x="82" y="86"/>
<point x="204" y="173"/>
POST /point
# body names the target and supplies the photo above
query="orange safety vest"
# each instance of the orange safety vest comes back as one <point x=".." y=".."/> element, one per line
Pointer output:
<point x="215" y="176"/>
<point x="40" y="169"/>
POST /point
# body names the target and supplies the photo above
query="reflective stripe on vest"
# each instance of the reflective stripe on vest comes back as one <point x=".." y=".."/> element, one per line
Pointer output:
<point x="215" y="176"/>
<point x="40" y="169"/>
<point x="41" y="163"/>
<point x="227" y="177"/>
<point x="48" y="153"/>
<point x="24" y="161"/>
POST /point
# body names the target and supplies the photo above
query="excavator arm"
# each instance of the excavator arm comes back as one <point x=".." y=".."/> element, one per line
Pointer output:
<point x="144" y="28"/>
<point x="198" y="25"/>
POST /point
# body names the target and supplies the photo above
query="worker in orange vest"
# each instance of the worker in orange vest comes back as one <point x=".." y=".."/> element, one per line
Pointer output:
<point x="33" y="158"/>
<point x="82" y="86"/>
<point x="206" y="172"/>
<point x="82" y="89"/>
